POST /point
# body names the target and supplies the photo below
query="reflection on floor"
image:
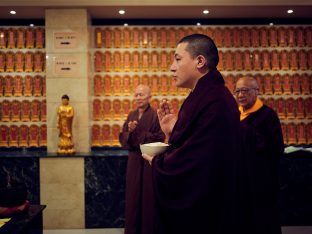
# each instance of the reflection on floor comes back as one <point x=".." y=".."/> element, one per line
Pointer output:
<point x="286" y="230"/>
<point x="297" y="230"/>
<point x="86" y="231"/>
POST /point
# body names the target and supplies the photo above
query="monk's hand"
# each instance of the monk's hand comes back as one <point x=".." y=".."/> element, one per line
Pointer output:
<point x="148" y="158"/>
<point x="132" y="125"/>
<point x="167" y="118"/>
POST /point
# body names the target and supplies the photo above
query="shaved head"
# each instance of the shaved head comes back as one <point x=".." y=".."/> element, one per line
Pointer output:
<point x="142" y="96"/>
<point x="144" y="88"/>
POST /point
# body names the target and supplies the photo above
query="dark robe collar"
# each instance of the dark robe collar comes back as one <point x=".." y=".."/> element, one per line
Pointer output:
<point x="213" y="77"/>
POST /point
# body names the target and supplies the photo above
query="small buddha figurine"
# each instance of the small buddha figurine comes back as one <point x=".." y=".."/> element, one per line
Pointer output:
<point x="65" y="115"/>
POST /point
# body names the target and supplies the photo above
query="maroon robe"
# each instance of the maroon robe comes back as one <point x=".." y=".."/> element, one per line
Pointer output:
<point x="140" y="204"/>
<point x="263" y="146"/>
<point x="195" y="180"/>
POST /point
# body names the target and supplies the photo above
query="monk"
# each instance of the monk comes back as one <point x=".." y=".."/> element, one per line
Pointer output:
<point x="141" y="126"/>
<point x="262" y="147"/>
<point x="195" y="180"/>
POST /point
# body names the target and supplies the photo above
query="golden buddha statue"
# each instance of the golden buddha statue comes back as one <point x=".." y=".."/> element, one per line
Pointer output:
<point x="65" y="115"/>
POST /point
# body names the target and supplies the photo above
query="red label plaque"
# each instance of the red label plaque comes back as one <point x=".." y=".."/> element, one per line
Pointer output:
<point x="25" y="111"/>
<point x="43" y="111"/>
<point x="20" y="38"/>
<point x="273" y="37"/>
<point x="106" y="135"/>
<point x="38" y="62"/>
<point x="13" y="136"/>
<point x="290" y="108"/>
<point x="33" y="136"/>
<point x="300" y="108"/>
<point x="18" y="86"/>
<point x="15" y="111"/>
<point x="302" y="60"/>
<point x="35" y="111"/>
<point x="8" y="86"/>
<point x="117" y="38"/>
<point x="29" y="61"/>
<point x="145" y="40"/>
<point x="96" y="135"/>
<point x="40" y="38"/>
<point x="126" y="85"/>
<point x="108" y="38"/>
<point x="107" y="109"/>
<point x="9" y="61"/>
<point x="247" y="60"/>
<point x="238" y="60"/>
<point x="43" y="135"/>
<point x="117" y="61"/>
<point x="264" y="37"/>
<point x="37" y="88"/>
<point x="228" y="60"/>
<point x="286" y="84"/>
<point x="2" y="61"/>
<point x="3" y="38"/>
<point x="126" y="61"/>
<point x="135" y="38"/>
<point x="277" y="84"/>
<point x="107" y="85"/>
<point x="255" y="37"/>
<point x="97" y="85"/>
<point x="154" y="61"/>
<point x="115" y="135"/>
<point x="11" y="38"/>
<point x="246" y="37"/>
<point x="23" y="136"/>
<point x="135" y="61"/>
<point x="30" y="38"/>
<point x="4" y="136"/>
<point x="98" y="61"/>
<point x="97" y="112"/>
<point x="227" y="37"/>
<point x="117" y="109"/>
<point x="126" y="38"/>
<point x="291" y="37"/>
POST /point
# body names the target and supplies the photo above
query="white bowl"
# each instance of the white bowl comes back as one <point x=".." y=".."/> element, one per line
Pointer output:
<point x="152" y="149"/>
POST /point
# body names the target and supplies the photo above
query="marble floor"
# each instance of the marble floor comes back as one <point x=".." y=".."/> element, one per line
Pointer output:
<point x="86" y="231"/>
<point x="285" y="230"/>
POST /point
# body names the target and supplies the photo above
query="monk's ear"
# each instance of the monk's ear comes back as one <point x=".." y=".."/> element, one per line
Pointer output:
<point x="201" y="61"/>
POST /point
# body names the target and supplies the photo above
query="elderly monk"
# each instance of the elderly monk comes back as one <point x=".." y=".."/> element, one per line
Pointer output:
<point x="262" y="147"/>
<point x="141" y="126"/>
<point x="195" y="180"/>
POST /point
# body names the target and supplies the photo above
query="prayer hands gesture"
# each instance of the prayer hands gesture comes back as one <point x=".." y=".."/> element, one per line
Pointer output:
<point x="167" y="118"/>
<point x="132" y="125"/>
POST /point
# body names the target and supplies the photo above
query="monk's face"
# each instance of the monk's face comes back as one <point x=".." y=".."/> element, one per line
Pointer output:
<point x="245" y="93"/>
<point x="184" y="67"/>
<point x="142" y="96"/>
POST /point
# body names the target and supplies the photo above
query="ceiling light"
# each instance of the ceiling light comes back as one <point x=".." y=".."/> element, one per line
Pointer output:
<point x="198" y="24"/>
<point x="122" y="12"/>
<point x="290" y="11"/>
<point x="31" y="25"/>
<point x="12" y="12"/>
<point x="125" y="24"/>
<point x="271" y="24"/>
<point x="205" y="12"/>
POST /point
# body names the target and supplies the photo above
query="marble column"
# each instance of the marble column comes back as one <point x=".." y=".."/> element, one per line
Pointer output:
<point x="67" y="72"/>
